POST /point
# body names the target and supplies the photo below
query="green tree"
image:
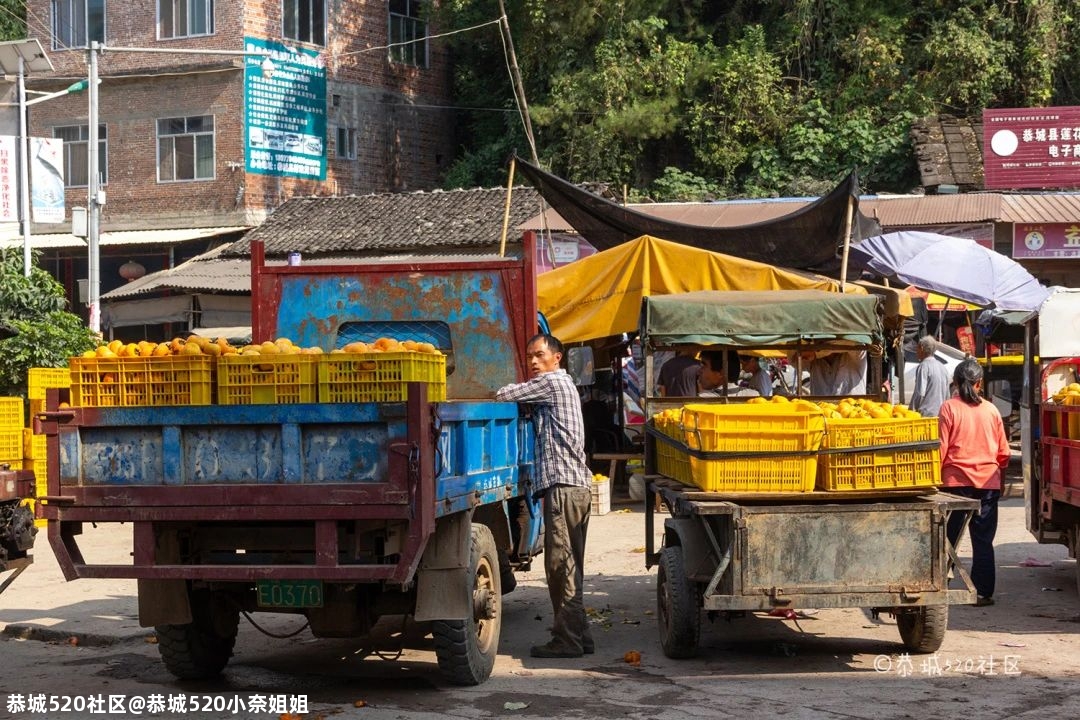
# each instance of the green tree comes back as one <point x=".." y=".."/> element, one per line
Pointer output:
<point x="46" y="335"/>
<point x="12" y="19"/>
<point x="754" y="97"/>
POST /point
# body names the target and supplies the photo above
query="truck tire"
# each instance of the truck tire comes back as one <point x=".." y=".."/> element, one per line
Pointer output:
<point x="466" y="649"/>
<point x="923" y="629"/>
<point x="677" y="609"/>
<point x="200" y="649"/>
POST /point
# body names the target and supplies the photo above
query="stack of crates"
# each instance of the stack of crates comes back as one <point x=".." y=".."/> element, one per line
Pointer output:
<point x="11" y="432"/>
<point x="670" y="460"/>
<point x="38" y="382"/>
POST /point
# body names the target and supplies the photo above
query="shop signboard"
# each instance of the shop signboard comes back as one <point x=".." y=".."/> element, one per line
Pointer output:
<point x="1046" y="240"/>
<point x="1031" y="148"/>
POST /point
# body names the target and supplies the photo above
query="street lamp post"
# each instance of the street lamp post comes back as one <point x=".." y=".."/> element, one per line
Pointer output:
<point x="94" y="197"/>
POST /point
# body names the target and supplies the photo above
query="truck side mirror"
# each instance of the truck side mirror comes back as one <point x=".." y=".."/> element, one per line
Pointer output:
<point x="579" y="362"/>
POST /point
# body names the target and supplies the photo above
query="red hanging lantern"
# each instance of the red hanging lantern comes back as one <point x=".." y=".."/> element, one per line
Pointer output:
<point x="132" y="270"/>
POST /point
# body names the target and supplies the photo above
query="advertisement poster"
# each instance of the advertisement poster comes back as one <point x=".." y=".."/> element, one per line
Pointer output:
<point x="285" y="114"/>
<point x="1046" y="240"/>
<point x="47" y="179"/>
<point x="1031" y="148"/>
<point x="9" y="179"/>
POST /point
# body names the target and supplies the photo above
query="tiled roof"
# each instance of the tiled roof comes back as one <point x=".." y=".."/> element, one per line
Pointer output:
<point x="209" y="272"/>
<point x="395" y="221"/>
<point x="949" y="152"/>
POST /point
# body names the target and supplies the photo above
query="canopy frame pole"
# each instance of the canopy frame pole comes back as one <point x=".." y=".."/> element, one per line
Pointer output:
<point x="847" y="243"/>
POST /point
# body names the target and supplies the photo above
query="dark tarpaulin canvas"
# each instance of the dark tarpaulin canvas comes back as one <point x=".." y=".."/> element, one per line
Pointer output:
<point x="808" y="239"/>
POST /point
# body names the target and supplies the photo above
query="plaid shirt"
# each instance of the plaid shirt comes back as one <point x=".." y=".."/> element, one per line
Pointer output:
<point x="560" y="429"/>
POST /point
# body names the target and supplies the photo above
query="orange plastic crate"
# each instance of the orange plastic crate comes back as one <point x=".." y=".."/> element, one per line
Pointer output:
<point x="379" y="377"/>
<point x="139" y="382"/>
<point x="267" y="379"/>
<point x="877" y="468"/>
<point x="11" y="413"/>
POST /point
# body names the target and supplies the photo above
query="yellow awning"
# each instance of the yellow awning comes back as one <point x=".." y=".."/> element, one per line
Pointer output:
<point x="600" y="295"/>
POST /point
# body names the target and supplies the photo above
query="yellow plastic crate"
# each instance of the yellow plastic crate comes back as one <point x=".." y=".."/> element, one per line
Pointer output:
<point x="379" y="377"/>
<point x="11" y="413"/>
<point x="795" y="428"/>
<point x="879" y="468"/>
<point x="11" y="445"/>
<point x="38" y="380"/>
<point x="138" y="382"/>
<point x="670" y="460"/>
<point x="267" y="379"/>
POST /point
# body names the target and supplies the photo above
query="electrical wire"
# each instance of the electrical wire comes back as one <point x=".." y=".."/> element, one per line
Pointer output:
<point x="419" y="39"/>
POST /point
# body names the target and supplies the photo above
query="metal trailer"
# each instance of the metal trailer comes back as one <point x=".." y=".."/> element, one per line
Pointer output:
<point x="732" y="552"/>
<point x="736" y="552"/>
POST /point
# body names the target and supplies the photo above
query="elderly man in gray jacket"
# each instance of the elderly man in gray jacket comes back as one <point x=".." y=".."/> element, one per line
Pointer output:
<point x="931" y="380"/>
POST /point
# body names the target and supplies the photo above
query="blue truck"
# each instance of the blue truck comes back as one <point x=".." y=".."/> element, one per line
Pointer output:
<point x="342" y="512"/>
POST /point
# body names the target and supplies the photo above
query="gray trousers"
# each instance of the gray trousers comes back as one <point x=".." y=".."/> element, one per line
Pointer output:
<point x="566" y="523"/>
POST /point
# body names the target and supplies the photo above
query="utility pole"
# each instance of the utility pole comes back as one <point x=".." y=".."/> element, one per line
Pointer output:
<point x="93" y="209"/>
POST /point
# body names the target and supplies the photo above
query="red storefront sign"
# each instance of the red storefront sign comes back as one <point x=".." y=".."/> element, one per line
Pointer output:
<point x="1046" y="240"/>
<point x="1031" y="148"/>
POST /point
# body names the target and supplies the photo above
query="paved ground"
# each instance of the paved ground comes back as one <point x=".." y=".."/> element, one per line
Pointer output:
<point x="1019" y="658"/>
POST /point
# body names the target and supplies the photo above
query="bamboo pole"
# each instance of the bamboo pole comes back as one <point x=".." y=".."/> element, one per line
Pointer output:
<point x="847" y="243"/>
<point x="506" y="210"/>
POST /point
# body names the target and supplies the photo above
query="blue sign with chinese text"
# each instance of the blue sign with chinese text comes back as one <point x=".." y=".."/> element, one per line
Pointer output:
<point x="285" y="114"/>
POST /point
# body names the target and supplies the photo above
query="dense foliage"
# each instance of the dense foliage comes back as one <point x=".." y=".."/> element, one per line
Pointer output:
<point x="46" y="334"/>
<point x="691" y="98"/>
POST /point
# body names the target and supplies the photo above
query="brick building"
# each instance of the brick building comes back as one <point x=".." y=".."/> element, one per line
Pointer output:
<point x="357" y="103"/>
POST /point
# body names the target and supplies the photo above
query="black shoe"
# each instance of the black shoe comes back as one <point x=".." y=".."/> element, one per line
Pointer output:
<point x="507" y="582"/>
<point x="983" y="601"/>
<point x="551" y="650"/>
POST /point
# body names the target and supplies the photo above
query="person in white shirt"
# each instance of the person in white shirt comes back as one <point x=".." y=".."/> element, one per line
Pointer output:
<point x="837" y="373"/>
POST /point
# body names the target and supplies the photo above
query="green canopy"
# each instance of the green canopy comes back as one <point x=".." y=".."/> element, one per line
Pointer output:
<point x="774" y="318"/>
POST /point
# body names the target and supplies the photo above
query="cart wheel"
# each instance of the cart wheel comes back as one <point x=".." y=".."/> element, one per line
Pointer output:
<point x="676" y="602"/>
<point x="923" y="629"/>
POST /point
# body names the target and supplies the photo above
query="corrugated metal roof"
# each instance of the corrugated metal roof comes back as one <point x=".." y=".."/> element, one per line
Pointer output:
<point x="52" y="241"/>
<point x="208" y="272"/>
<point x="915" y="210"/>
<point x="1057" y="208"/>
<point x="391" y="221"/>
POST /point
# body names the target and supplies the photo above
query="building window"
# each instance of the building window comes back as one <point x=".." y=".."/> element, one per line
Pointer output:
<point x="184" y="18"/>
<point x="345" y="147"/>
<point x="77" y="22"/>
<point x="186" y="148"/>
<point x="304" y="20"/>
<point x="76" y="139"/>
<point x="408" y="26"/>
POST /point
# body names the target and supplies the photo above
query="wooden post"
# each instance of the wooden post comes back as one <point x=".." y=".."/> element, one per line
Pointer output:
<point x="847" y="243"/>
<point x="506" y="210"/>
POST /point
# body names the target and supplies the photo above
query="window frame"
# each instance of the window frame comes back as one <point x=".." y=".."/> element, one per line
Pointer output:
<point x="84" y="142"/>
<point x="158" y="136"/>
<point x="293" y="14"/>
<point x="350" y="142"/>
<point x="209" y="12"/>
<point x="413" y="20"/>
<point x="72" y="34"/>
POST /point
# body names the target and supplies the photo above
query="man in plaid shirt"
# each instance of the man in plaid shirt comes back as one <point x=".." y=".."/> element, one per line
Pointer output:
<point x="565" y="482"/>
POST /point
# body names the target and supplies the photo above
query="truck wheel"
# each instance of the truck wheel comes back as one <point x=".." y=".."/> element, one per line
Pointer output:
<point x="923" y="629"/>
<point x="677" y="609"/>
<point x="466" y="649"/>
<point x="200" y="649"/>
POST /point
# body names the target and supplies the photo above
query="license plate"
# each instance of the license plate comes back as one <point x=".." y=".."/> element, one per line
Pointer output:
<point x="289" y="593"/>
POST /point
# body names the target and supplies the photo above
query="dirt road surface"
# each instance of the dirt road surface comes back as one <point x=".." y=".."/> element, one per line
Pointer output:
<point x="1017" y="659"/>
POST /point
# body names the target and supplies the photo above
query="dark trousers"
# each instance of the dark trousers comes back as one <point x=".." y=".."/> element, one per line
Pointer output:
<point x="983" y="527"/>
<point x="566" y="525"/>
